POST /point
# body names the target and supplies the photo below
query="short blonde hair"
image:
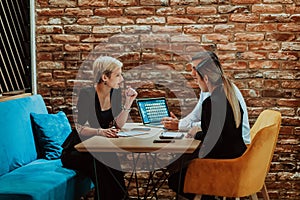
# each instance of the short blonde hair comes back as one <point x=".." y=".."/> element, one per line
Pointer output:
<point x="104" y="65"/>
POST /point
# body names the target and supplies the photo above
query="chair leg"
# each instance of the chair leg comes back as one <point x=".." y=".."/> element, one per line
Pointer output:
<point x="254" y="196"/>
<point x="198" y="197"/>
<point x="265" y="192"/>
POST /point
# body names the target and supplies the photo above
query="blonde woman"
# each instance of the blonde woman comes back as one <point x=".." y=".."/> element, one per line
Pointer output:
<point x="221" y="119"/>
<point x="101" y="113"/>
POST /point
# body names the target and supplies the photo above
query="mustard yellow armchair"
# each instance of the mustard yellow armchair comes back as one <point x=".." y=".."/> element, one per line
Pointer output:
<point x="239" y="177"/>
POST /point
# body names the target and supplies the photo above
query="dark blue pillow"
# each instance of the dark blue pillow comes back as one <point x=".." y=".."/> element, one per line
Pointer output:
<point x="50" y="131"/>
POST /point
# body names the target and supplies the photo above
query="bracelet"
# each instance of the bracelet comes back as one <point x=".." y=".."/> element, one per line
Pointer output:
<point x="125" y="109"/>
<point x="98" y="131"/>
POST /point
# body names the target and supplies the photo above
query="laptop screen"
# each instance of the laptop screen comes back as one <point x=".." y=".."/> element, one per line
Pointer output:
<point x="152" y="110"/>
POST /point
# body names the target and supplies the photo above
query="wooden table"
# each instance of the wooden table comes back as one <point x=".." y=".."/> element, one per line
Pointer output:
<point x="137" y="145"/>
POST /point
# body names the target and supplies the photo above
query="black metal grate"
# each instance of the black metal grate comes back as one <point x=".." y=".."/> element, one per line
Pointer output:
<point x="15" y="46"/>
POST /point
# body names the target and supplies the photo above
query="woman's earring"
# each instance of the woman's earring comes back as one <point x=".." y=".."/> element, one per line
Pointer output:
<point x="105" y="83"/>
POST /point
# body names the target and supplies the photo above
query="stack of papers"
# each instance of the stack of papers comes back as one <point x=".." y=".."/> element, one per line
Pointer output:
<point x="172" y="135"/>
<point x="130" y="133"/>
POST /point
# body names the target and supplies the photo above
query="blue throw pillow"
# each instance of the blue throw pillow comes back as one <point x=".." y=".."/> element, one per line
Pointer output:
<point x="50" y="131"/>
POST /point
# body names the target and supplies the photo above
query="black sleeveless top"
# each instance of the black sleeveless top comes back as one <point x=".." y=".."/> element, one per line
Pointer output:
<point x="89" y="109"/>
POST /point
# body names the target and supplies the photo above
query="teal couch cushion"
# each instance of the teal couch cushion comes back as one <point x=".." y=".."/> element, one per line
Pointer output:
<point x="50" y="130"/>
<point x="17" y="146"/>
<point x="43" y="180"/>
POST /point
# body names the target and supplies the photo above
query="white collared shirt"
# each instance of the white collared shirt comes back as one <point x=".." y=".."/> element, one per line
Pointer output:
<point x="194" y="118"/>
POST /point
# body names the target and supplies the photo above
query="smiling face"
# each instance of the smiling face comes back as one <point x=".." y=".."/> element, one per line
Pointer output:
<point x="115" y="79"/>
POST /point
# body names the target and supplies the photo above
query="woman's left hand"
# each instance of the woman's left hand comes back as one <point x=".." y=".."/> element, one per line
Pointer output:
<point x="192" y="132"/>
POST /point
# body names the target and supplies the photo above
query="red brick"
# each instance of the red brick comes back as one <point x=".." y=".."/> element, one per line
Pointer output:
<point x="248" y="18"/>
<point x="212" y="19"/>
<point x="121" y="20"/>
<point x="234" y="65"/>
<point x="94" y="3"/>
<point x="42" y="3"/>
<point x="166" y="29"/>
<point x="50" y="12"/>
<point x="267" y="8"/>
<point x="43" y="39"/>
<point x="279" y="1"/>
<point x="151" y="20"/>
<point x="62" y="74"/>
<point x="221" y="28"/>
<point x="263" y="65"/>
<point x="290" y="65"/>
<point x="78" y="11"/>
<point x="65" y="38"/>
<point x="108" y="12"/>
<point x="42" y="56"/>
<point x="217" y="38"/>
<point x="106" y="29"/>
<point x="122" y="2"/>
<point x="198" y="29"/>
<point x="261" y="27"/>
<point x="44" y="76"/>
<point x="259" y="102"/>
<point x="255" y="83"/>
<point x="283" y="56"/>
<point x="290" y="46"/>
<point x="139" y="11"/>
<point x="170" y="11"/>
<point x="201" y="10"/>
<point x="254" y="55"/>
<point x="289" y="27"/>
<point x="78" y="47"/>
<point x="183" y="2"/>
<point x="264" y="46"/>
<point x="93" y="38"/>
<point x="249" y="36"/>
<point x="49" y="47"/>
<point x="275" y="18"/>
<point x="153" y="2"/>
<point x="236" y="46"/>
<point x="291" y="85"/>
<point x="182" y="20"/>
<point x="245" y="1"/>
<point x="77" y="29"/>
<point x="292" y="9"/>
<point x="53" y="84"/>
<point x="288" y="102"/>
<point x="271" y="84"/>
<point x="62" y="3"/>
<point x="136" y="29"/>
<point x="49" y="29"/>
<point x="233" y="9"/>
<point x="50" y="65"/>
<point x="91" y="20"/>
<point x="280" y="37"/>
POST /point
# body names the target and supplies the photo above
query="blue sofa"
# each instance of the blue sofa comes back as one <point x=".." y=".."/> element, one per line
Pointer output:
<point x="23" y="174"/>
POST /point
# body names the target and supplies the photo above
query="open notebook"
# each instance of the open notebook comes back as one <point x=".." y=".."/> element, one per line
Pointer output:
<point x="152" y="110"/>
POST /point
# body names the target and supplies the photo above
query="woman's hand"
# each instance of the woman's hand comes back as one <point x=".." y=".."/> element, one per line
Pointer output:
<point x="170" y="123"/>
<point x="130" y="95"/>
<point x="192" y="132"/>
<point x="109" y="132"/>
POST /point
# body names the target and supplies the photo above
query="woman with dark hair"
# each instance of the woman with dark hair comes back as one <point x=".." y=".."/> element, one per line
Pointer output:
<point x="221" y="119"/>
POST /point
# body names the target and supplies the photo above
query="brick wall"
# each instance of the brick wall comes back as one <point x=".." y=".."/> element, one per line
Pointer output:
<point x="258" y="42"/>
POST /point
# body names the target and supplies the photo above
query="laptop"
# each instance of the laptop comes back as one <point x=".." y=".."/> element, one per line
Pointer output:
<point x="152" y="110"/>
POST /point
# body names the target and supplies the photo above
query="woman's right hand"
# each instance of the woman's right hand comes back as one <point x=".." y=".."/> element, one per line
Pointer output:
<point x="109" y="132"/>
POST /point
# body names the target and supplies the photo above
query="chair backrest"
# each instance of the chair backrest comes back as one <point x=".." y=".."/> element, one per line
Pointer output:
<point x="258" y="157"/>
<point x="266" y="118"/>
